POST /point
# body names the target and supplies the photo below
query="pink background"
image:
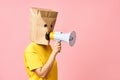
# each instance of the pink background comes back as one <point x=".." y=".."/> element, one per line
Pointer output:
<point x="96" y="54"/>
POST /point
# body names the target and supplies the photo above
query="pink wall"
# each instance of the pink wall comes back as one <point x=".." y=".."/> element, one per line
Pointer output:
<point x="96" y="54"/>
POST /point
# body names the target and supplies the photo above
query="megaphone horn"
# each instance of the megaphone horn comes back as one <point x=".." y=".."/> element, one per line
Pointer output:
<point x="67" y="37"/>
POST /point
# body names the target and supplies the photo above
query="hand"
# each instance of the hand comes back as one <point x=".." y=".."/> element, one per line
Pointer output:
<point x="57" y="47"/>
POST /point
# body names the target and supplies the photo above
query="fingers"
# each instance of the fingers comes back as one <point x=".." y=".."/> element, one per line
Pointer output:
<point x="57" y="47"/>
<point x="58" y="44"/>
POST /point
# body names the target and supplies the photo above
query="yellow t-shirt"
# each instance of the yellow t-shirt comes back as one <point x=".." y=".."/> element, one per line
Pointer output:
<point x="36" y="56"/>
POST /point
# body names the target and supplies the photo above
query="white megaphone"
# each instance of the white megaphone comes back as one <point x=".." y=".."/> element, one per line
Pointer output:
<point x="67" y="37"/>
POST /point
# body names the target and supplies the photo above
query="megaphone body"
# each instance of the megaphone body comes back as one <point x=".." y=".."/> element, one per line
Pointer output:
<point x="67" y="37"/>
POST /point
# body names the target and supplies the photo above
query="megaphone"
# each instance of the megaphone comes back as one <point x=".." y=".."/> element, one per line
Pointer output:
<point x="67" y="37"/>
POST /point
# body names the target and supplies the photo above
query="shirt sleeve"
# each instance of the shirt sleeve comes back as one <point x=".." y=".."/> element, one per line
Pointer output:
<point x="33" y="61"/>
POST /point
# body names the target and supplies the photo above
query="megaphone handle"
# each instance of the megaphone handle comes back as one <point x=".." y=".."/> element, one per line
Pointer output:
<point x="58" y="40"/>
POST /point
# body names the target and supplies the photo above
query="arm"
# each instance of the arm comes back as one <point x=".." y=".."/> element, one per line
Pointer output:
<point x="44" y="71"/>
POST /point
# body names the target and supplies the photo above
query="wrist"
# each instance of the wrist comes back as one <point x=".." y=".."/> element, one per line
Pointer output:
<point x="54" y="53"/>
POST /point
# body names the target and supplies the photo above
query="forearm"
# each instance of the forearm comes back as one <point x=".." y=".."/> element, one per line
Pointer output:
<point x="47" y="67"/>
<point x="44" y="71"/>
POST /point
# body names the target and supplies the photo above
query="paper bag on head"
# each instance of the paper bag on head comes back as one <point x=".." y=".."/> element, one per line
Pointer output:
<point x="42" y="22"/>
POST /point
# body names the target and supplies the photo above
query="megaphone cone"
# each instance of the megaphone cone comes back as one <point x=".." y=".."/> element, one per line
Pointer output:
<point x="68" y="37"/>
